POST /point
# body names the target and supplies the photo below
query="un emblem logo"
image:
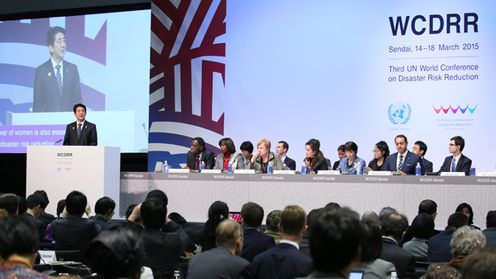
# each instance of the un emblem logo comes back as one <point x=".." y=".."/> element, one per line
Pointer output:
<point x="399" y="113"/>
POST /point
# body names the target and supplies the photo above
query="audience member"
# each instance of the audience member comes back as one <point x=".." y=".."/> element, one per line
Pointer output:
<point x="116" y="253"/>
<point x="281" y="151"/>
<point x="104" y="210"/>
<point x="480" y="264"/>
<point x="272" y="222"/>
<point x="332" y="205"/>
<point x="439" y="249"/>
<point x="255" y="242"/>
<point x="393" y="226"/>
<point x="371" y="218"/>
<point x="217" y="212"/>
<point x="385" y="212"/>
<point x="8" y="205"/>
<point x="18" y="248"/>
<point x="162" y="249"/>
<point x="311" y="218"/>
<point x="466" y="209"/>
<point x="490" y="232"/>
<point x="224" y="260"/>
<point x="428" y="207"/>
<point x="61" y="209"/>
<point x="34" y="208"/>
<point x="73" y="232"/>
<point x="340" y="151"/>
<point x="44" y="217"/>
<point x="285" y="260"/>
<point x="335" y="243"/>
<point x="371" y="266"/>
<point x="421" y="230"/>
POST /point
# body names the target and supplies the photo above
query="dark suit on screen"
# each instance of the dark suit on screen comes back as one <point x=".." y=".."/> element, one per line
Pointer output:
<point x="216" y="263"/>
<point x="45" y="94"/>
<point x="280" y="262"/>
<point x="290" y="163"/>
<point x="255" y="242"/>
<point x="207" y="157"/>
<point x="409" y="162"/>
<point x="463" y="164"/>
<point x="88" y="134"/>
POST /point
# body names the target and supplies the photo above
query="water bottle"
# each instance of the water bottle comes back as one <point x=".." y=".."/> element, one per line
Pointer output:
<point x="304" y="169"/>
<point x="359" y="168"/>
<point x="165" y="167"/>
<point x="177" y="274"/>
<point x="394" y="275"/>
<point x="269" y="168"/>
<point x="202" y="165"/>
<point x="229" y="168"/>
<point x="418" y="170"/>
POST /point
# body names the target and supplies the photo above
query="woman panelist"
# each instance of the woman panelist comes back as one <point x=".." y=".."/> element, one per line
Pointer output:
<point x="228" y="156"/>
<point x="262" y="158"/>
<point x="351" y="163"/>
<point x="314" y="158"/>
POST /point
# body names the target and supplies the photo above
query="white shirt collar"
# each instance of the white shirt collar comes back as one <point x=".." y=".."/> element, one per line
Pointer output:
<point x="82" y="122"/>
<point x="295" y="244"/>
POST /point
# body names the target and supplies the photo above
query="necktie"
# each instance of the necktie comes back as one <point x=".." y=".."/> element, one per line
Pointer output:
<point x="197" y="162"/>
<point x="59" y="80"/>
<point x="400" y="164"/>
<point x="453" y="165"/>
<point x="78" y="130"/>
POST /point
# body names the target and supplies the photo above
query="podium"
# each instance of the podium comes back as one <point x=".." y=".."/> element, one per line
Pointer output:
<point x="92" y="170"/>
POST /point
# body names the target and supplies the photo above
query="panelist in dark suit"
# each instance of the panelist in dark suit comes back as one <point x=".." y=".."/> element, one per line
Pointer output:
<point x="198" y="154"/>
<point x="340" y="156"/>
<point x="403" y="160"/>
<point x="420" y="148"/>
<point x="457" y="162"/>
<point x="282" y="150"/>
<point x="56" y="83"/>
<point x="80" y="132"/>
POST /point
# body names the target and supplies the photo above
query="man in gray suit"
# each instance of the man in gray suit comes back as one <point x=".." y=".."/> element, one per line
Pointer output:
<point x="223" y="261"/>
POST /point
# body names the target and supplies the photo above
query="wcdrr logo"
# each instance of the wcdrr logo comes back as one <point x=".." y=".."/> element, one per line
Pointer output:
<point x="454" y="109"/>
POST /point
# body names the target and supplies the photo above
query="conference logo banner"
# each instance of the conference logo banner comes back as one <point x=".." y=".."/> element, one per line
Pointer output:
<point x="187" y="57"/>
<point x="455" y="117"/>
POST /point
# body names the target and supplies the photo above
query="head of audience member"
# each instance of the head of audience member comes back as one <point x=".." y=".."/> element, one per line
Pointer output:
<point x="491" y="219"/>
<point x="17" y="241"/>
<point x="252" y="214"/>
<point x="158" y="194"/>
<point x="105" y="207"/>
<point x="336" y="230"/>
<point x="116" y="253"/>
<point x="442" y="271"/>
<point x="60" y="208"/>
<point x="282" y="148"/>
<point x="466" y="209"/>
<point x="56" y="43"/>
<point x="273" y="220"/>
<point x="419" y="148"/>
<point x="227" y="146"/>
<point x="371" y="218"/>
<point x="332" y="205"/>
<point x="217" y="212"/>
<point x="230" y="234"/>
<point x="263" y="148"/>
<point x="8" y="205"/>
<point x="21" y="205"/>
<point x="428" y="207"/>
<point x="34" y="204"/>
<point x="393" y="226"/>
<point x="381" y="150"/>
<point x="386" y="211"/>
<point x="480" y="264"/>
<point x="75" y="203"/>
<point x="457" y="220"/>
<point x="153" y="214"/>
<point x="178" y="218"/>
<point x="340" y="151"/>
<point x="465" y="240"/>
<point x="293" y="222"/>
<point x="456" y="145"/>
<point x="246" y="149"/>
<point x="350" y="150"/>
<point x="422" y="226"/>
<point x="197" y="145"/>
<point x="312" y="217"/>
<point x="371" y="242"/>
<point x="401" y="143"/>
<point x="44" y="195"/>
<point x="130" y="209"/>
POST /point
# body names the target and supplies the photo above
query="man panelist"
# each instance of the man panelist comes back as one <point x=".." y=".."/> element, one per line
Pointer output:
<point x="402" y="161"/>
<point x="457" y="162"/>
<point x="56" y="83"/>
<point x="80" y="132"/>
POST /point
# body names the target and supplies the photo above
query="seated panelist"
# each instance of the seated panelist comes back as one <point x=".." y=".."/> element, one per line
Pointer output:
<point x="351" y="163"/>
<point x="314" y="158"/>
<point x="262" y="158"/>
<point x="228" y="156"/>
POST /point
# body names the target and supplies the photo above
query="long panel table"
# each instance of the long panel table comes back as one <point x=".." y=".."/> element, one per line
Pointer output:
<point x="190" y="194"/>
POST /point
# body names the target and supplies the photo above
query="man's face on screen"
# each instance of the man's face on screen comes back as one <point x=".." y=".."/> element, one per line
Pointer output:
<point x="80" y="114"/>
<point x="400" y="145"/>
<point x="57" y="49"/>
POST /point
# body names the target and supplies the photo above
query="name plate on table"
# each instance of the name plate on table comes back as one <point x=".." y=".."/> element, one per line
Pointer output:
<point x="487" y="173"/>
<point x="379" y="173"/>
<point x="179" y="171"/>
<point x="284" y="172"/>
<point x="328" y="172"/>
<point x="243" y="171"/>
<point x="459" y="173"/>
<point x="210" y="171"/>
<point x="47" y="256"/>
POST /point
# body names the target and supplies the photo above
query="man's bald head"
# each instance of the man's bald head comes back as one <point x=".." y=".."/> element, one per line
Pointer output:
<point x="228" y="233"/>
